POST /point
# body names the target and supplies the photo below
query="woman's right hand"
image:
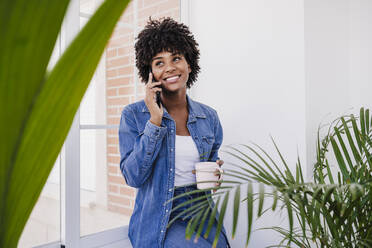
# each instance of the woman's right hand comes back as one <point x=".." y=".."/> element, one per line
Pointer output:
<point x="150" y="101"/>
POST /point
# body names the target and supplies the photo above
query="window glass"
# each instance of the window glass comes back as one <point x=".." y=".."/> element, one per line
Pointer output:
<point x="105" y="201"/>
<point x="43" y="225"/>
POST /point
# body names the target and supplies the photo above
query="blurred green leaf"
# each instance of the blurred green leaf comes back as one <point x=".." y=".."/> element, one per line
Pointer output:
<point x="40" y="105"/>
<point x="236" y="210"/>
<point x="261" y="197"/>
<point x="220" y="220"/>
<point x="250" y="211"/>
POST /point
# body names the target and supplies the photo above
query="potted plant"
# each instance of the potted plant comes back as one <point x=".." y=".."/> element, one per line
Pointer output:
<point x="332" y="210"/>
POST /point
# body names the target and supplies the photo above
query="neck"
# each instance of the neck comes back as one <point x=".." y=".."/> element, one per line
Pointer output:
<point x="174" y="101"/>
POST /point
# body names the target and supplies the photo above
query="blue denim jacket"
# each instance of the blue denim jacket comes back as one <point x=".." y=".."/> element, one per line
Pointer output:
<point x="148" y="163"/>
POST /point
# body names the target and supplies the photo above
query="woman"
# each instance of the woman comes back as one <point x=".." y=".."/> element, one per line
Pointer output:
<point x="159" y="145"/>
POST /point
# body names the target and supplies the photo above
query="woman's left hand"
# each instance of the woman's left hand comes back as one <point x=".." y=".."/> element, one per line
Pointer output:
<point x="218" y="173"/>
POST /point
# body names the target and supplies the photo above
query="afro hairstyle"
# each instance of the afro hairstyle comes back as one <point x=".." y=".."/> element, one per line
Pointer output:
<point x="166" y="35"/>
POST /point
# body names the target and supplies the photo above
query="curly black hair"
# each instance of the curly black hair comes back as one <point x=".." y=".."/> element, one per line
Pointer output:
<point x="166" y="35"/>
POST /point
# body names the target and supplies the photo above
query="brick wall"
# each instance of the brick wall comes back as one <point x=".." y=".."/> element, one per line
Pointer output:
<point x="120" y="90"/>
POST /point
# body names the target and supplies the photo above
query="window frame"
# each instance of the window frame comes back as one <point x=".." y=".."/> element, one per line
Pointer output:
<point x="70" y="155"/>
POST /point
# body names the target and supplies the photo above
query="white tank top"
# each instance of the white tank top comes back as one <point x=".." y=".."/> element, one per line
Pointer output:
<point x="186" y="156"/>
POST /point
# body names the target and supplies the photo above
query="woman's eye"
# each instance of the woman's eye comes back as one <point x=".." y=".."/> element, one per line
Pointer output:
<point x="177" y="58"/>
<point x="158" y="63"/>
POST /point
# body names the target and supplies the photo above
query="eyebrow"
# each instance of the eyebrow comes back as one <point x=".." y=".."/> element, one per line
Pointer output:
<point x="173" y="54"/>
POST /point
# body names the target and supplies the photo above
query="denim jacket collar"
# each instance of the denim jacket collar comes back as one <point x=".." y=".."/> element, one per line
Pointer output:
<point x="194" y="110"/>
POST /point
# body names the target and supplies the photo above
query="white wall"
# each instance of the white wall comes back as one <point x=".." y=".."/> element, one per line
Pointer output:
<point x="279" y="67"/>
<point x="252" y="60"/>
<point x="338" y="62"/>
<point x="360" y="84"/>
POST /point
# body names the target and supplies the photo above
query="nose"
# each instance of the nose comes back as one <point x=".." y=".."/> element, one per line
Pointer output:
<point x="170" y="68"/>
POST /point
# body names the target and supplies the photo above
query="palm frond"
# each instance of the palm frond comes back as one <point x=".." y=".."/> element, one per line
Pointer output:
<point x="328" y="213"/>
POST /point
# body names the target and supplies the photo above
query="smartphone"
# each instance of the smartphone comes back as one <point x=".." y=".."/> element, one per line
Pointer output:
<point x="158" y="99"/>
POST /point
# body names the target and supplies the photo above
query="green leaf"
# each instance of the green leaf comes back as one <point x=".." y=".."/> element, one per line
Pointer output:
<point x="220" y="220"/>
<point x="250" y="211"/>
<point x="190" y="228"/>
<point x="357" y="133"/>
<point x="272" y="161"/>
<point x="41" y="105"/>
<point x="190" y="211"/>
<point x="297" y="174"/>
<point x="329" y="173"/>
<point x="236" y="210"/>
<point x="356" y="191"/>
<point x="256" y="166"/>
<point x="328" y="193"/>
<point x="275" y="202"/>
<point x="261" y="197"/>
<point x="362" y="122"/>
<point x="200" y="228"/>
<point x="212" y="218"/>
<point x="300" y="170"/>
<point x="340" y="160"/>
<point x="345" y="153"/>
<point x="339" y="178"/>
<point x="367" y="120"/>
<point x="288" y="171"/>
<point x="29" y="30"/>
<point x="320" y="175"/>
<point x="290" y="216"/>
<point x="266" y="163"/>
<point x="354" y="150"/>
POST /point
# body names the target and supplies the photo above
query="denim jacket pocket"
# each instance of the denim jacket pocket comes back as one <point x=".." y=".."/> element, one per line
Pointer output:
<point x="207" y="143"/>
<point x="208" y="139"/>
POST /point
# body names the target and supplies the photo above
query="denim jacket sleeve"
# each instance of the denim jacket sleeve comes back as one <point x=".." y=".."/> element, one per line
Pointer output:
<point x="218" y="137"/>
<point x="138" y="150"/>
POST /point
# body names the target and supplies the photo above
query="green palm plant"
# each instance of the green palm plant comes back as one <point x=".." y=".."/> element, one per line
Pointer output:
<point x="333" y="210"/>
<point x="37" y="105"/>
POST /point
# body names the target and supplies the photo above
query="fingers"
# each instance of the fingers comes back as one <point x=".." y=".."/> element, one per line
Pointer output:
<point x="218" y="172"/>
<point x="152" y="87"/>
<point x="220" y="162"/>
<point x="150" y="78"/>
<point x="216" y="185"/>
<point x="193" y="172"/>
<point x="150" y="83"/>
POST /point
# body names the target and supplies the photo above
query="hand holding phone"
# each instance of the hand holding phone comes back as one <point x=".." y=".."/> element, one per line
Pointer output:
<point x="158" y="99"/>
<point x="152" y="100"/>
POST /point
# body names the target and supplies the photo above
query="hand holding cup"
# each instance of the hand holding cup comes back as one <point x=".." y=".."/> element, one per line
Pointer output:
<point x="208" y="171"/>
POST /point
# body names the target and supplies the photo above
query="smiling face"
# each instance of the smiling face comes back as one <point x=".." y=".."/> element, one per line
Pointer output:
<point x="171" y="69"/>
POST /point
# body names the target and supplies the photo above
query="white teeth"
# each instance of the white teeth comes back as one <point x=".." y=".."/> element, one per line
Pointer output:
<point x="172" y="79"/>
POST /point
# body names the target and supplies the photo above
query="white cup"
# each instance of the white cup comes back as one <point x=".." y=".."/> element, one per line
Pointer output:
<point x="205" y="171"/>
